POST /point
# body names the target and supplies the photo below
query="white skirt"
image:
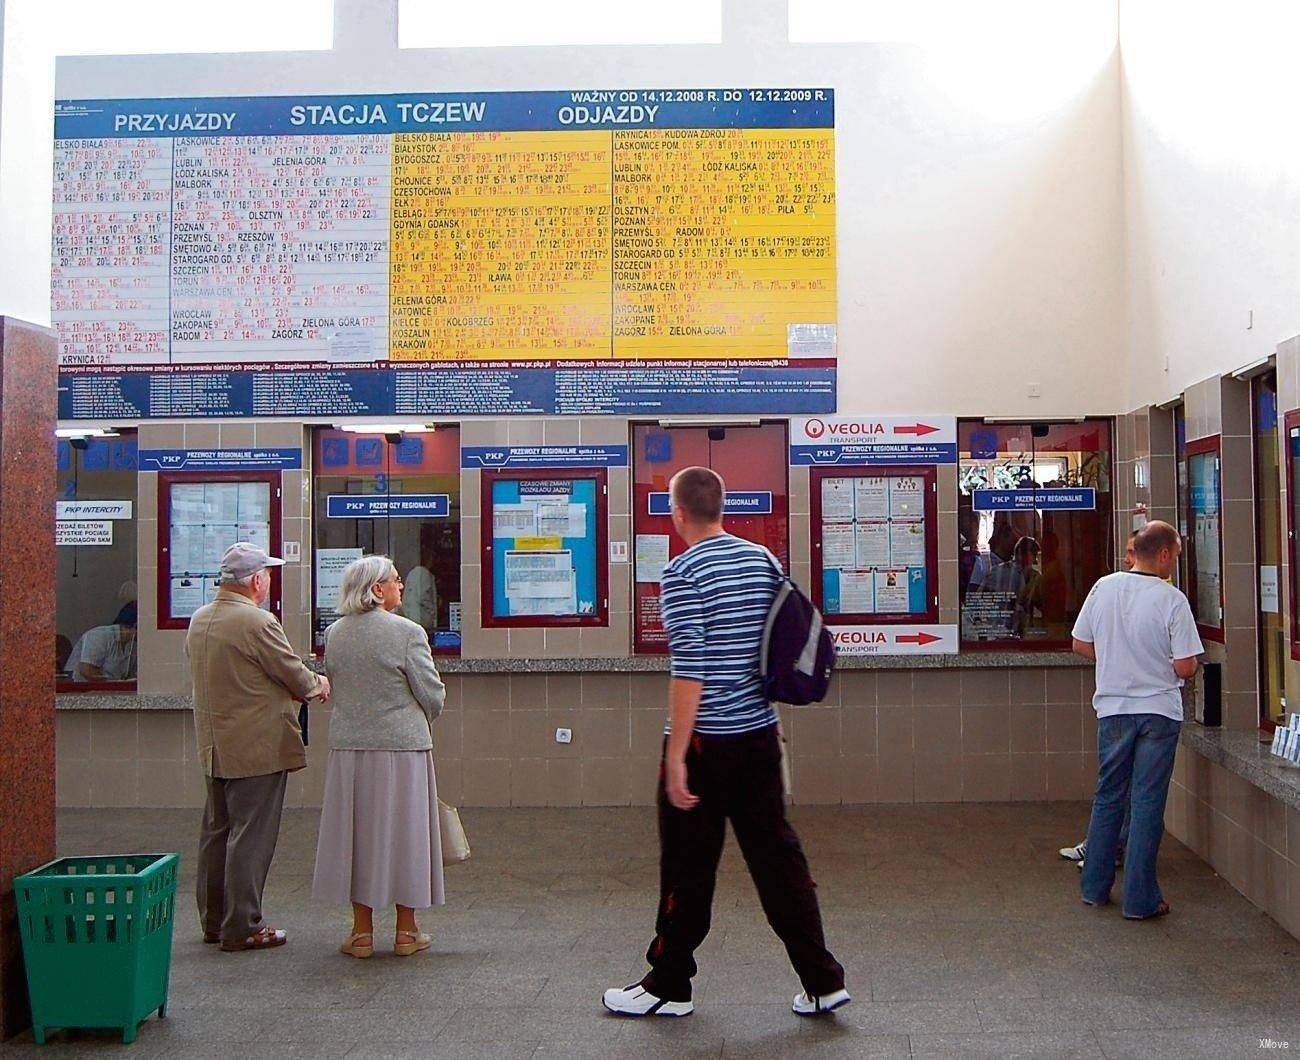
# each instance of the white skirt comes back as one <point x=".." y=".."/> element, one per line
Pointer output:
<point x="379" y="842"/>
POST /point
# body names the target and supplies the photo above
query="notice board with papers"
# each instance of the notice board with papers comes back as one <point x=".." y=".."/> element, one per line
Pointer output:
<point x="545" y="550"/>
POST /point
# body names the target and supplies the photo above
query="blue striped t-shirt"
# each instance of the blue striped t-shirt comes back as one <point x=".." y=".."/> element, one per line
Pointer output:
<point x="714" y="598"/>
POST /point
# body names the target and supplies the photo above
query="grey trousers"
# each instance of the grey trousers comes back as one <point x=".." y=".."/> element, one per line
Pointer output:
<point x="241" y="823"/>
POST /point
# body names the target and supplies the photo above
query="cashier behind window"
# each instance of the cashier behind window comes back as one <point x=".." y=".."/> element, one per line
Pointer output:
<point x="106" y="653"/>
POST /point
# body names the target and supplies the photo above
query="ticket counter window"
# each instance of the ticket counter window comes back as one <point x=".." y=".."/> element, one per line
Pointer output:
<point x="874" y="544"/>
<point x="1203" y="543"/>
<point x="753" y="462"/>
<point x="1273" y="648"/>
<point x="545" y="548"/>
<point x="398" y="497"/>
<point x="1035" y="528"/>
<point x="95" y="535"/>
<point x="202" y="515"/>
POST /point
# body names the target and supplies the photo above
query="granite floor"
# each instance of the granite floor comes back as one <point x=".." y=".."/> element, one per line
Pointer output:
<point x="961" y="930"/>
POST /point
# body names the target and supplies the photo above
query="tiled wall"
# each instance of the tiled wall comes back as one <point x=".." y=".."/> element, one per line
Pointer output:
<point x="1250" y="839"/>
<point x="934" y="735"/>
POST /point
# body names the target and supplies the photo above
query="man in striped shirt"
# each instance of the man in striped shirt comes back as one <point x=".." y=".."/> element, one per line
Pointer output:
<point x="722" y="759"/>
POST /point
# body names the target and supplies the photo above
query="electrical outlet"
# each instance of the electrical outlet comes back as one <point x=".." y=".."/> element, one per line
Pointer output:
<point x="1035" y="390"/>
<point x="564" y="736"/>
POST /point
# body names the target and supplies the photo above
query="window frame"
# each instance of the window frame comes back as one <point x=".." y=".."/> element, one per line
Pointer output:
<point x="1289" y="421"/>
<point x="1029" y="645"/>
<point x="168" y="479"/>
<point x="929" y="474"/>
<point x="487" y="579"/>
<point x="1200" y="447"/>
<point x="131" y="684"/>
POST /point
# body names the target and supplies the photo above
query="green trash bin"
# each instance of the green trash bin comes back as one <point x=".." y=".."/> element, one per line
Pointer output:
<point x="97" y="940"/>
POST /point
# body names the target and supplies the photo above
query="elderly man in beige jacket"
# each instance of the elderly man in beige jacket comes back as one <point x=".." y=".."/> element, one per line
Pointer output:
<point x="247" y="684"/>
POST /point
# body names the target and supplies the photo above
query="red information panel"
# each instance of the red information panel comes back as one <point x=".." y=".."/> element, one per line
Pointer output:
<point x="753" y="463"/>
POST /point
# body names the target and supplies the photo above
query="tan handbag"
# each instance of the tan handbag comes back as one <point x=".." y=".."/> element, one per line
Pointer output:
<point x="455" y="847"/>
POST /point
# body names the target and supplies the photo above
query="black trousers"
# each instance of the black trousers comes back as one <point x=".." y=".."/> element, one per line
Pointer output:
<point x="736" y="777"/>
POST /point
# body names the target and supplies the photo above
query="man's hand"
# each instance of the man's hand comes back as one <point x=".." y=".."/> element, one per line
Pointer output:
<point x="675" y="785"/>
<point x="324" y="694"/>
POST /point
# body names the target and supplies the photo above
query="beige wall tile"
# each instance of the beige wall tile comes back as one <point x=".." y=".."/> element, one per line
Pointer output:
<point x="114" y="737"/>
<point x="72" y="737"/>
<point x="937" y="776"/>
<point x="859" y="780"/>
<point x="940" y="732"/>
<point x="202" y="435"/>
<point x="855" y="688"/>
<point x="521" y="431"/>
<point x="607" y="642"/>
<point x="564" y="782"/>
<point x="933" y="688"/>
<point x="1028" y="686"/>
<point x="487" y="781"/>
<point x="894" y="688"/>
<point x="647" y="725"/>
<point x="606" y="690"/>
<point x="650" y="690"/>
<point x="985" y="687"/>
<point x="563" y="643"/>
<point x="606" y="782"/>
<point x="563" y="691"/>
<point x="280" y="433"/>
<point x="113" y="782"/>
<point x="560" y="430"/>
<point x="528" y="782"/>
<point x="530" y="736"/>
<point x="161" y="735"/>
<point x="485" y="432"/>
<point x="1063" y="728"/>
<point x="986" y="778"/>
<point x="1063" y="685"/>
<point x="894" y="741"/>
<point x="813" y="782"/>
<point x="450" y="775"/>
<point x="237" y="435"/>
<point x="1028" y="777"/>
<point x="527" y="643"/>
<point x="1028" y="728"/>
<point x="72" y="782"/>
<point x="604" y="733"/>
<point x="858" y="733"/>
<point x="985" y="729"/>
<point x="814" y="732"/>
<point x="487" y="735"/>
<point x="1064" y="777"/>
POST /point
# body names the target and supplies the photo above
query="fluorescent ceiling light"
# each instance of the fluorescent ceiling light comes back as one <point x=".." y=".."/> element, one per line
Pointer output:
<point x="1014" y="420"/>
<point x="706" y="421"/>
<point x="86" y="432"/>
<point x="384" y="428"/>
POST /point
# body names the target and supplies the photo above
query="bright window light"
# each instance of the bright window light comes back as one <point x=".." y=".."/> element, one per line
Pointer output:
<point x="515" y="23"/>
<point x="144" y="27"/>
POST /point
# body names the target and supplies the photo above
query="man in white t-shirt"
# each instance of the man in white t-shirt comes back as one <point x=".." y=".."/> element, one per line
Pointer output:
<point x="1140" y="632"/>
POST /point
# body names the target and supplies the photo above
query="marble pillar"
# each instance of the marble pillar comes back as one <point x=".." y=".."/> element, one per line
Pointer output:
<point x="28" y="391"/>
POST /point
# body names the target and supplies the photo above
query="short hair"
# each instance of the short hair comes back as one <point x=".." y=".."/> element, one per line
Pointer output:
<point x="1154" y="538"/>
<point x="1027" y="546"/>
<point x="359" y="577"/>
<point x="698" y="490"/>
<point x="127" y="616"/>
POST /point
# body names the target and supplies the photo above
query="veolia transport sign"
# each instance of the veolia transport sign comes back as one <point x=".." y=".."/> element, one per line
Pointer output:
<point x="865" y="439"/>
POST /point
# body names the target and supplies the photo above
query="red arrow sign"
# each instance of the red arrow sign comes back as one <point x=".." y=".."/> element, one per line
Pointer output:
<point x="918" y="429"/>
<point x="919" y="639"/>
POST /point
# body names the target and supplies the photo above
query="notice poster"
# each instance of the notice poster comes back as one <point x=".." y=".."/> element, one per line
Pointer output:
<point x="651" y="557"/>
<point x="330" y="565"/>
<point x="891" y="595"/>
<point x="857" y="592"/>
<point x="906" y="498"/>
<point x="872" y="539"/>
<point x="79" y="533"/>
<point x="838" y="545"/>
<point x="837" y="500"/>
<point x="907" y="543"/>
<point x="540" y="583"/>
<point x="561" y="518"/>
<point x="332" y="255"/>
<point x="872" y="495"/>
<point x="514" y="520"/>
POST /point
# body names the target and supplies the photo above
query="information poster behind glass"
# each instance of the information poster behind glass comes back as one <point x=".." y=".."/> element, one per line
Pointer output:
<point x="206" y="518"/>
<point x="1204" y="505"/>
<point x="545" y="552"/>
<point x="874" y="546"/>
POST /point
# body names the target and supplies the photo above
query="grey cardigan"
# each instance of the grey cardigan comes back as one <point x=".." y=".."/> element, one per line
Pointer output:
<point x="385" y="690"/>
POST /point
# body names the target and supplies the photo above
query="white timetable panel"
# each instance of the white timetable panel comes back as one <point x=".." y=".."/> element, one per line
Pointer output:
<point x="111" y="241"/>
<point x="280" y="249"/>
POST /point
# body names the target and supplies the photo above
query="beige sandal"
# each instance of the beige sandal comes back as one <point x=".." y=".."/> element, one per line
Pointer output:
<point x="354" y="948"/>
<point x="417" y="941"/>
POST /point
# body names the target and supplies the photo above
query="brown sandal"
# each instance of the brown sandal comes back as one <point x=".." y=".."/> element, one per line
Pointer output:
<point x="265" y="939"/>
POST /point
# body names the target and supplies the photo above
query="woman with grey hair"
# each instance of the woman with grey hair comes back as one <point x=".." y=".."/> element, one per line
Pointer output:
<point x="379" y="843"/>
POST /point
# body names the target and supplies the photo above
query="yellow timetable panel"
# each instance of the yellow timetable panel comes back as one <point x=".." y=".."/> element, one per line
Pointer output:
<point x="724" y="241"/>
<point x="500" y="246"/>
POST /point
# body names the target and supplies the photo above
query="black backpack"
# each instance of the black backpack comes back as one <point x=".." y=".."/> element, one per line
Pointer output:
<point x="797" y="655"/>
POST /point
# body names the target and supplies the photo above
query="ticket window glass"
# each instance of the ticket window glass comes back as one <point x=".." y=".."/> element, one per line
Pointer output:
<point x="400" y="498"/>
<point x="754" y="464"/>
<point x="95" y="534"/>
<point x="1291" y="453"/>
<point x="1204" y="544"/>
<point x="1180" y="485"/>
<point x="875" y="544"/>
<point x="1035" y="526"/>
<point x="545" y="548"/>
<point x="1273" y="648"/>
<point x="200" y="516"/>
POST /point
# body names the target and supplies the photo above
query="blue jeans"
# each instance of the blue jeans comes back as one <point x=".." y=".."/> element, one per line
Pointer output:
<point x="1135" y="754"/>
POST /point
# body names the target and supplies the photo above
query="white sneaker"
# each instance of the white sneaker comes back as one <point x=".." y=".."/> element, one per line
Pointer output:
<point x="1074" y="853"/>
<point x="816" y="1006"/>
<point x="636" y="1000"/>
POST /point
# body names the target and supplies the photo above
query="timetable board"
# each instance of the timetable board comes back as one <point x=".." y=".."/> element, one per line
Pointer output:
<point x="579" y="252"/>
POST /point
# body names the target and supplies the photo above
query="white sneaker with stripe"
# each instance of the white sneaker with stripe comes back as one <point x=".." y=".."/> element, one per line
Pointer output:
<point x="804" y="1005"/>
<point x="636" y="1000"/>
